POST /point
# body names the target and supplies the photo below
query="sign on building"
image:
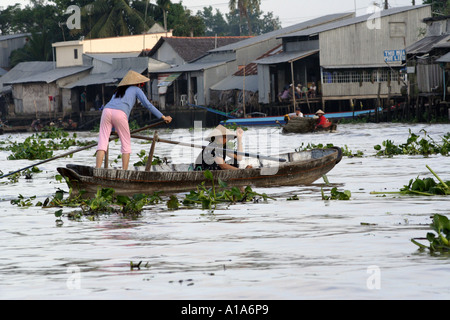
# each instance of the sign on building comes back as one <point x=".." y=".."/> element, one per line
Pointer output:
<point x="394" y="55"/>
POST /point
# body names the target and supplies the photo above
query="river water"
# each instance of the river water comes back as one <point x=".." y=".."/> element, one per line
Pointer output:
<point x="279" y="249"/>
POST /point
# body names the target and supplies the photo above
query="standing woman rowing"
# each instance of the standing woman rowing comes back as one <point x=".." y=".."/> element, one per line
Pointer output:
<point x="116" y="113"/>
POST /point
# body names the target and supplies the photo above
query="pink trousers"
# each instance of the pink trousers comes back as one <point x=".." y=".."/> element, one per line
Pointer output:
<point x="118" y="120"/>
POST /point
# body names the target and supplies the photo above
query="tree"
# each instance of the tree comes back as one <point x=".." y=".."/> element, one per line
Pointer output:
<point x="439" y="7"/>
<point x="42" y="22"/>
<point x="245" y="9"/>
<point x="215" y="24"/>
<point x="38" y="48"/>
<point x="110" y="18"/>
<point x="164" y="6"/>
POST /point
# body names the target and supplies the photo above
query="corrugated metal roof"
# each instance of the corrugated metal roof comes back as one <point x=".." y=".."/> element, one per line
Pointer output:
<point x="354" y="20"/>
<point x="92" y="79"/>
<point x="252" y="68"/>
<point x="27" y="69"/>
<point x="426" y="44"/>
<point x="445" y="58"/>
<point x="119" y="68"/>
<point x="51" y="75"/>
<point x="108" y="57"/>
<point x="14" y="36"/>
<point x="192" y="48"/>
<point x="237" y="82"/>
<point x="195" y="66"/>
<point x="286" y="57"/>
<point x="283" y="31"/>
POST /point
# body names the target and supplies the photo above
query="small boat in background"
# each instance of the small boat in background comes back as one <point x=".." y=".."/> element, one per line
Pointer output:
<point x="306" y="125"/>
<point x="280" y="120"/>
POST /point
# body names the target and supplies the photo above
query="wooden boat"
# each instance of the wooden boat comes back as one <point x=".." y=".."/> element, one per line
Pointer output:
<point x="305" y="125"/>
<point x="300" y="168"/>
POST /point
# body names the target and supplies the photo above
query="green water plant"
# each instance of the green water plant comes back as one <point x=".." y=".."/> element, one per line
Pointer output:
<point x="424" y="187"/>
<point x="105" y="201"/>
<point x="210" y="197"/>
<point x="415" y="145"/>
<point x="440" y="240"/>
<point x="346" y="152"/>
<point x="143" y="156"/>
<point x="335" y="194"/>
<point x="40" y="146"/>
<point x="22" y="201"/>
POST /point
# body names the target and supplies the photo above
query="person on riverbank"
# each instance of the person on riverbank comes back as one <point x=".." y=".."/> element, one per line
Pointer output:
<point x="213" y="156"/>
<point x="322" y="122"/>
<point x="116" y="112"/>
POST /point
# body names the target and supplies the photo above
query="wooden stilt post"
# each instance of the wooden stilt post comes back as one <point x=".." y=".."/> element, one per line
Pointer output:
<point x="106" y="158"/>
<point x="152" y="150"/>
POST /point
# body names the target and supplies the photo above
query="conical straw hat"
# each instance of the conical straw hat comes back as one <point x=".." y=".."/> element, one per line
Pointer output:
<point x="320" y="112"/>
<point x="131" y="78"/>
<point x="220" y="130"/>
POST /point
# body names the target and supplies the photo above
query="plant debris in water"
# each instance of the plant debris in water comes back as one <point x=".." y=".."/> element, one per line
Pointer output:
<point x="424" y="187"/>
<point x="346" y="152"/>
<point x="438" y="241"/>
<point x="210" y="197"/>
<point x="106" y="201"/>
<point x="335" y="194"/>
<point x="415" y="146"/>
<point x="40" y="146"/>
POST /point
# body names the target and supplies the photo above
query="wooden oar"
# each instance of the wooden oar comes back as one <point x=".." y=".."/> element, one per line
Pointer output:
<point x="245" y="154"/>
<point x="80" y="149"/>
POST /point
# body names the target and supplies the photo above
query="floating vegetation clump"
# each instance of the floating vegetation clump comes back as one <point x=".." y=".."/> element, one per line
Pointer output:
<point x="335" y="194"/>
<point x="40" y="146"/>
<point x="208" y="198"/>
<point x="346" y="152"/>
<point x="438" y="241"/>
<point x="424" y="187"/>
<point x="104" y="202"/>
<point x="415" y="146"/>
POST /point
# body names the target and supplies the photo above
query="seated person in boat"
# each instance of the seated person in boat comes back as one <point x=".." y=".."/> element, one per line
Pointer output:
<point x="213" y="156"/>
<point x="322" y="122"/>
<point x="297" y="114"/>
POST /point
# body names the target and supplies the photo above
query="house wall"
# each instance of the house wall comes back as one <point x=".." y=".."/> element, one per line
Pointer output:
<point x="211" y="77"/>
<point x="65" y="56"/>
<point x="365" y="90"/>
<point x="357" y="46"/>
<point x="135" y="43"/>
<point x="249" y="54"/>
<point x="69" y="54"/>
<point x="264" y="83"/>
<point x="65" y="96"/>
<point x="166" y="54"/>
<point x="9" y="45"/>
<point x="30" y="98"/>
<point x="429" y="77"/>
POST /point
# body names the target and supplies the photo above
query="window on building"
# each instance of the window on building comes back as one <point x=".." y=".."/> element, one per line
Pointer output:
<point x="360" y="76"/>
<point x="397" y="29"/>
<point x="75" y="54"/>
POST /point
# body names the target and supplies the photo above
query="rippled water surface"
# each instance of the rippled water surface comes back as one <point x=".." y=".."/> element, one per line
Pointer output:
<point x="304" y="249"/>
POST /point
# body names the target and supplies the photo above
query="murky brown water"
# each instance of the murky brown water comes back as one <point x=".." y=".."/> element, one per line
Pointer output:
<point x="310" y="248"/>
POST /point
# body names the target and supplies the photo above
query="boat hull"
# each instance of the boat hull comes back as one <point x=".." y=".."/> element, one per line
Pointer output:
<point x="306" y="125"/>
<point x="280" y="120"/>
<point x="301" y="168"/>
